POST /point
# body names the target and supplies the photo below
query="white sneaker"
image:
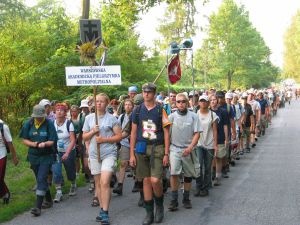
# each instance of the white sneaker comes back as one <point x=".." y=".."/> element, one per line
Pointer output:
<point x="58" y="197"/>
<point x="72" y="191"/>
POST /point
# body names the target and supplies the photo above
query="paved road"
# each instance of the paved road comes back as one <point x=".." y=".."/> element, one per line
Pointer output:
<point x="263" y="189"/>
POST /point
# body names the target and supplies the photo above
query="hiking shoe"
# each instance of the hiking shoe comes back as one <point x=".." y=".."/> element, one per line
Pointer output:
<point x="217" y="182"/>
<point x="135" y="187"/>
<point x="173" y="205"/>
<point x="224" y="174"/>
<point x="187" y="203"/>
<point x="203" y="193"/>
<point x="99" y="217"/>
<point x="36" y="211"/>
<point x="47" y="205"/>
<point x="159" y="213"/>
<point x="104" y="219"/>
<point x="118" y="190"/>
<point x="58" y="197"/>
<point x="247" y="150"/>
<point x="148" y="219"/>
<point x="197" y="192"/>
<point x="253" y="145"/>
<point x="72" y="191"/>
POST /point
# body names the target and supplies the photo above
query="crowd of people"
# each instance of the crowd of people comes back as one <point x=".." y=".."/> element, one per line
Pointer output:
<point x="162" y="140"/>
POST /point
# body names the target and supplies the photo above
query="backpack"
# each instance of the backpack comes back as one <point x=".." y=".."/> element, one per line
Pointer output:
<point x="3" y="138"/>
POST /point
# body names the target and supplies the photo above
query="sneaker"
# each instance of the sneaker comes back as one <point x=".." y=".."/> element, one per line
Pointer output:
<point x="72" y="191"/>
<point x="58" y="197"/>
<point x="253" y="145"/>
<point x="36" y="211"/>
<point x="247" y="150"/>
<point x="173" y="205"/>
<point x="217" y="182"/>
<point x="91" y="187"/>
<point x="99" y="217"/>
<point x="187" y="203"/>
<point x="105" y="219"/>
<point x="241" y="152"/>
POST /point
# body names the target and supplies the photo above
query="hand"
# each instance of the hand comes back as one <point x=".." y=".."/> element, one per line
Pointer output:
<point x="95" y="129"/>
<point x="99" y="139"/>
<point x="41" y="145"/>
<point x="65" y="156"/>
<point x="132" y="161"/>
<point x="186" y="152"/>
<point x="166" y="160"/>
<point x="15" y="160"/>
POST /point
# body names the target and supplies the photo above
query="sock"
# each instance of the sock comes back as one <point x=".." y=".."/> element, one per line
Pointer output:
<point x="48" y="196"/>
<point x="186" y="195"/>
<point x="39" y="201"/>
<point x="159" y="200"/>
<point x="174" y="195"/>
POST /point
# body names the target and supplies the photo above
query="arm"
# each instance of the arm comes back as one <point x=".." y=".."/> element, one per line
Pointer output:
<point x="36" y="144"/>
<point x="167" y="145"/>
<point x="113" y="139"/>
<point x="13" y="152"/>
<point x="132" y="144"/>
<point x="71" y="146"/>
<point x="215" y="135"/>
<point x="194" y="142"/>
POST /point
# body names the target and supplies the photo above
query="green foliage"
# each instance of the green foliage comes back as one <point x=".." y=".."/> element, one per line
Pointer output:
<point x="292" y="49"/>
<point x="234" y="51"/>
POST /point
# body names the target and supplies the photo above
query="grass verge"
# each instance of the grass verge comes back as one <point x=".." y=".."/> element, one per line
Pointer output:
<point x="20" y="181"/>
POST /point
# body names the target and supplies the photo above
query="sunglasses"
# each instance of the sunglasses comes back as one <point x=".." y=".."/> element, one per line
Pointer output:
<point x="181" y="101"/>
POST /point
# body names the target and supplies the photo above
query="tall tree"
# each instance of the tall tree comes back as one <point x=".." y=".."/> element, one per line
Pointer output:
<point x="237" y="49"/>
<point x="292" y="49"/>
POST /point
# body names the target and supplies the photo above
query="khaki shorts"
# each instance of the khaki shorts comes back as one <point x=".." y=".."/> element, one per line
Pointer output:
<point x="124" y="153"/>
<point x="143" y="163"/>
<point x="222" y="151"/>
<point x="108" y="164"/>
<point x="189" y="165"/>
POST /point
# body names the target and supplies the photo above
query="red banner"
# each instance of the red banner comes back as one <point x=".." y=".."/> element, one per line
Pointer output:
<point x="174" y="70"/>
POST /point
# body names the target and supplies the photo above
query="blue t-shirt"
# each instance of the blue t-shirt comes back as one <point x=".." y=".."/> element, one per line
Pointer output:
<point x="149" y="128"/>
<point x="222" y="121"/>
<point x="263" y="104"/>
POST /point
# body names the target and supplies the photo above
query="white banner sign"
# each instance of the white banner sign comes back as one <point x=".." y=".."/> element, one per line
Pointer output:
<point x="93" y="75"/>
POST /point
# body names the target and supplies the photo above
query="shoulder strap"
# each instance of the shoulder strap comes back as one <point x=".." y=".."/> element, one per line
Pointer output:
<point x="122" y="118"/>
<point x="2" y="131"/>
<point x="68" y="125"/>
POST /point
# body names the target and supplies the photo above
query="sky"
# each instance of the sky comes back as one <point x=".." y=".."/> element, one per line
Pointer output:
<point x="270" y="17"/>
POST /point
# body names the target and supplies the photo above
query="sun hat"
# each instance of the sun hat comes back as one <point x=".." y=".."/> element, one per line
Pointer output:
<point x="84" y="103"/>
<point x="44" y="102"/>
<point x="38" y="111"/>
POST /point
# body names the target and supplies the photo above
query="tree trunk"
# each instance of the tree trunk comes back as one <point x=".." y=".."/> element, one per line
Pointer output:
<point x="229" y="79"/>
<point x="85" y="9"/>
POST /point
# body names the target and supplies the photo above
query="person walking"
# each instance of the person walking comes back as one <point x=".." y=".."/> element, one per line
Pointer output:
<point x="39" y="135"/>
<point x="103" y="136"/>
<point x="149" y="151"/>
<point x="207" y="146"/>
<point x="66" y="154"/>
<point x="183" y="158"/>
<point x="6" y="145"/>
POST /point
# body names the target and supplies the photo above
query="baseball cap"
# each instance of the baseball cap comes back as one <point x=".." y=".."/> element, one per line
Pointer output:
<point x="203" y="97"/>
<point x="149" y="87"/>
<point x="44" y="102"/>
<point x="220" y="94"/>
<point x="192" y="93"/>
<point x="229" y="95"/>
<point x="132" y="89"/>
<point x="244" y="95"/>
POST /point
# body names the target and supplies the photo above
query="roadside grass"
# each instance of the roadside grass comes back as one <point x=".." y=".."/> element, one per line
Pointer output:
<point x="20" y="181"/>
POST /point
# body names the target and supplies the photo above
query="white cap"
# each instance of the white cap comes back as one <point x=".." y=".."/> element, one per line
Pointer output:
<point x="203" y="97"/>
<point x="251" y="91"/>
<point x="228" y="95"/>
<point x="44" y="102"/>
<point x="192" y="93"/>
<point x="84" y="103"/>
<point x="244" y="95"/>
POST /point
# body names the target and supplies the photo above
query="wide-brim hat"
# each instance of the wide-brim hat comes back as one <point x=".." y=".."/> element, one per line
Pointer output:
<point x="38" y="111"/>
<point x="84" y="103"/>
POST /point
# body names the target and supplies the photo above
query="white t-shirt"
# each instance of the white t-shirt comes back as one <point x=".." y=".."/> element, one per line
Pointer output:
<point x="106" y="124"/>
<point x="8" y="138"/>
<point x="63" y="136"/>
<point x="254" y="105"/>
<point x="206" y="139"/>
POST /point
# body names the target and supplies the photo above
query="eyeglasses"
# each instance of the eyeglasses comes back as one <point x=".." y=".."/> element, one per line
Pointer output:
<point x="181" y="101"/>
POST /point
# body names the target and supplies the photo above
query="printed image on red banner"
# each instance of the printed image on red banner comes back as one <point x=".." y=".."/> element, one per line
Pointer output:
<point x="174" y="70"/>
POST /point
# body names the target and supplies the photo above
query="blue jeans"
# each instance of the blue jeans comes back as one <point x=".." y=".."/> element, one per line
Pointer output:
<point x="41" y="172"/>
<point x="205" y="159"/>
<point x="69" y="165"/>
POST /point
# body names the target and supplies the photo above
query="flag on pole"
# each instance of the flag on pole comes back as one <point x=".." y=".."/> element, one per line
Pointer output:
<point x="174" y="70"/>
